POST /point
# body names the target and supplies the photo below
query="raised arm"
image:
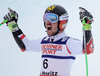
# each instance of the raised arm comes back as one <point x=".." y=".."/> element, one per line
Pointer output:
<point x="76" y="46"/>
<point x="20" y="38"/>
<point x="87" y="19"/>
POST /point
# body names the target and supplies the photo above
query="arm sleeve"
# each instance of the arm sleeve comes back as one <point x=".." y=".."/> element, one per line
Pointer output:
<point x="74" y="46"/>
<point x="32" y="45"/>
<point x="26" y="44"/>
<point x="77" y="47"/>
<point x="89" y="42"/>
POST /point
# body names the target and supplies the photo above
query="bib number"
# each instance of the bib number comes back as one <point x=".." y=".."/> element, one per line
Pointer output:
<point x="45" y="64"/>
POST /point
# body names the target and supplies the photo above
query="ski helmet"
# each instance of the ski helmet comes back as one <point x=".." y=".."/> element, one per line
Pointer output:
<point x="62" y="15"/>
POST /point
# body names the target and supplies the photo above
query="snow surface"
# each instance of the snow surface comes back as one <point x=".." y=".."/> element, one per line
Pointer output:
<point x="13" y="62"/>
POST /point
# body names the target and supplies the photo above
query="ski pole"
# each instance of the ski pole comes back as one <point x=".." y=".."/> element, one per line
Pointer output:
<point x="86" y="60"/>
<point x="10" y="10"/>
<point x="3" y="22"/>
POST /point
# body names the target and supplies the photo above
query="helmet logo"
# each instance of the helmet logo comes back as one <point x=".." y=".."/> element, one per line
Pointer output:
<point x="51" y="7"/>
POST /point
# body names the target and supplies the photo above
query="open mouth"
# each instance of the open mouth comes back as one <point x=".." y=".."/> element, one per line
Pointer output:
<point x="49" y="28"/>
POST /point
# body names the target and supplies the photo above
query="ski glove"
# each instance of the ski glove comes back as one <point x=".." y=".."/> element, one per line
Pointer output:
<point x="86" y="19"/>
<point x="12" y="18"/>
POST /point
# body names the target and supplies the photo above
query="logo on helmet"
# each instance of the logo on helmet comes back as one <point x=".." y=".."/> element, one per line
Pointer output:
<point x="51" y="7"/>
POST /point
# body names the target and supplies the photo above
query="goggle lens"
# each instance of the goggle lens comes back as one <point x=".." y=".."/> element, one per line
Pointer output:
<point x="50" y="17"/>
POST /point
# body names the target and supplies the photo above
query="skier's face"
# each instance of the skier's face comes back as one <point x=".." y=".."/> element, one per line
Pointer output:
<point x="51" y="27"/>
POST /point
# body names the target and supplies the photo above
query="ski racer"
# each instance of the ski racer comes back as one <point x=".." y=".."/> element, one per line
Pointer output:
<point x="58" y="49"/>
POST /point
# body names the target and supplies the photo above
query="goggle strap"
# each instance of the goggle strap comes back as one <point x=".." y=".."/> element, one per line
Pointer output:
<point x="63" y="17"/>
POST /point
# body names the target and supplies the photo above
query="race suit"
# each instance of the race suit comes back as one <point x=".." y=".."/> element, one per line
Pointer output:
<point x="58" y="52"/>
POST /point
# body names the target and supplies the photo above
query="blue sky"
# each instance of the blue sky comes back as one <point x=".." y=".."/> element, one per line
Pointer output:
<point x="15" y="63"/>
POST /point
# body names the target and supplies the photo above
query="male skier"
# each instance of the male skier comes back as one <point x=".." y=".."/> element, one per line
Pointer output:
<point x="58" y="49"/>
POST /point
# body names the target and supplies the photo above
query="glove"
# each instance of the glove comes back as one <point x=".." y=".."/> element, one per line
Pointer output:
<point x="86" y="19"/>
<point x="12" y="18"/>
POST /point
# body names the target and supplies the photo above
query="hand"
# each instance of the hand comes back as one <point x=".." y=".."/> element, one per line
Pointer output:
<point x="86" y="18"/>
<point x="12" y="18"/>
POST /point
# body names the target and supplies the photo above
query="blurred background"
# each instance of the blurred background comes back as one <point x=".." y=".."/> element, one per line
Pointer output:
<point x="13" y="62"/>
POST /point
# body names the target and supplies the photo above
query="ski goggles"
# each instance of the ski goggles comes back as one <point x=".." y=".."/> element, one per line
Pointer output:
<point x="50" y="17"/>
